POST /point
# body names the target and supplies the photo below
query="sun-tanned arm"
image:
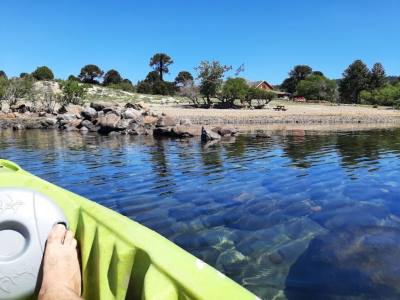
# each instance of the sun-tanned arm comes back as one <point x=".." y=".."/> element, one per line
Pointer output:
<point x="61" y="271"/>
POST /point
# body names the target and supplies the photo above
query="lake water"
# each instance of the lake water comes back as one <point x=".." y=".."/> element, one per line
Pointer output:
<point x="299" y="216"/>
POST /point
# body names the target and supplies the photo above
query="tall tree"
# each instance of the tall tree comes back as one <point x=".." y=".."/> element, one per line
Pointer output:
<point x="91" y="74"/>
<point x="160" y="63"/>
<point x="183" y="77"/>
<point x="355" y="79"/>
<point x="112" y="77"/>
<point x="378" y="76"/>
<point x="211" y="76"/>
<point x="297" y="74"/>
<point x="300" y="72"/>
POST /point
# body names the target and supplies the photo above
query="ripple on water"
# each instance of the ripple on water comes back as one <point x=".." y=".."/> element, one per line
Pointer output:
<point x="298" y="217"/>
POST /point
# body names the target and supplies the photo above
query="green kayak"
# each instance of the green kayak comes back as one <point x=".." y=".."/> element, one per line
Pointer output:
<point x="122" y="259"/>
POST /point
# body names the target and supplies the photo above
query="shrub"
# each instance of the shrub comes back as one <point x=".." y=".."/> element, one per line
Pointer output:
<point x="191" y="91"/>
<point x="14" y="89"/>
<point x="317" y="87"/>
<point x="261" y="97"/>
<point x="233" y="89"/>
<point x="154" y="85"/>
<point x="389" y="95"/>
<point x="73" y="78"/>
<point x="144" y="87"/>
<point x="125" y="85"/>
<point x="73" y="92"/>
<point x="43" y="73"/>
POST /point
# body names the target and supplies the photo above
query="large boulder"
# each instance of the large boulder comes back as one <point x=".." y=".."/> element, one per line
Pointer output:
<point x="89" y="113"/>
<point x="89" y="125"/>
<point x="49" y="122"/>
<point x="225" y="131"/>
<point x="72" y="125"/>
<point x="138" y="106"/>
<point x="186" y="131"/>
<point x="72" y="109"/>
<point x="137" y="129"/>
<point x="20" y="107"/>
<point x="99" y="105"/>
<point x="65" y="118"/>
<point x="123" y="124"/>
<point x="165" y="121"/>
<point x="117" y="110"/>
<point x="131" y="113"/>
<point x="108" y="123"/>
<point x="209" y="135"/>
<point x="149" y="120"/>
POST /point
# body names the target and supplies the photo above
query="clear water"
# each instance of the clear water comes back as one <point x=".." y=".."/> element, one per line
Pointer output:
<point x="301" y="216"/>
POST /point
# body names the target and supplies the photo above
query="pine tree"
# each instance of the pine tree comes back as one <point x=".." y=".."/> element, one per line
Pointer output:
<point x="378" y="76"/>
<point x="355" y="79"/>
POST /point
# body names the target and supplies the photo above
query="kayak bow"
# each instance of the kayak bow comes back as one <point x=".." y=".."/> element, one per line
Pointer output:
<point x="122" y="259"/>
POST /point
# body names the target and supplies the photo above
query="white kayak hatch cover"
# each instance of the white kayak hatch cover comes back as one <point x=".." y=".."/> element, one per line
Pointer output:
<point x="26" y="218"/>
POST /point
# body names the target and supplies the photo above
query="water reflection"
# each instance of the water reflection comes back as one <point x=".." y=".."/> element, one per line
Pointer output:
<point x="300" y="215"/>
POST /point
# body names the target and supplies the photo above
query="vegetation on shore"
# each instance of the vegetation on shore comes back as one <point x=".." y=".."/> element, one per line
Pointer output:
<point x="213" y="85"/>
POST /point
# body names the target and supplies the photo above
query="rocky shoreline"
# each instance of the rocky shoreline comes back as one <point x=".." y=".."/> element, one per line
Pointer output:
<point x="109" y="119"/>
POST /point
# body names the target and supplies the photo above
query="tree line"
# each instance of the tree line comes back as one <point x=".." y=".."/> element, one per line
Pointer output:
<point x="215" y="85"/>
<point x="359" y="85"/>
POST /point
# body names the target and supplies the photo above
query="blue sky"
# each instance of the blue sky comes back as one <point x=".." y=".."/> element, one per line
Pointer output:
<point x="269" y="37"/>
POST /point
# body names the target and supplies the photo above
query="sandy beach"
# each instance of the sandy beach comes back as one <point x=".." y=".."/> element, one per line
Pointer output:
<point x="296" y="115"/>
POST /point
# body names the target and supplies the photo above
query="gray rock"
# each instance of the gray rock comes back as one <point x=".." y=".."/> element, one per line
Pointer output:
<point x="20" y="107"/>
<point x="89" y="125"/>
<point x="186" y="130"/>
<point x="131" y="113"/>
<point x="108" y="123"/>
<point x="117" y="110"/>
<point x="231" y="260"/>
<point x="18" y="127"/>
<point x="124" y="124"/>
<point x="65" y="118"/>
<point x="209" y="135"/>
<point x="138" y="106"/>
<point x="99" y="105"/>
<point x="49" y="122"/>
<point x="42" y="114"/>
<point x="89" y="113"/>
<point x="71" y="109"/>
<point x="165" y="121"/>
<point x="225" y="131"/>
<point x="163" y="131"/>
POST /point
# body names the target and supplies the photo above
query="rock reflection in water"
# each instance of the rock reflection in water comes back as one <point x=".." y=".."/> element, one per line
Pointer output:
<point x="299" y="215"/>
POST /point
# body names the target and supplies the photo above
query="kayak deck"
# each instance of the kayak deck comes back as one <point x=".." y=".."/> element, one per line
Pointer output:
<point x="122" y="259"/>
